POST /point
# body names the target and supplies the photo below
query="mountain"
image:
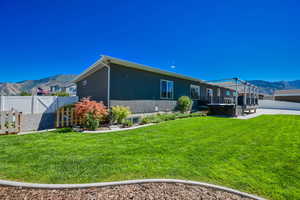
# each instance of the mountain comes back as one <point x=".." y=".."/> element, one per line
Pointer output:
<point x="268" y="87"/>
<point x="32" y="85"/>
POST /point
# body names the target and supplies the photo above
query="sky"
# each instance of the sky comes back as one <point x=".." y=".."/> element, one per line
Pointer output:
<point x="209" y="40"/>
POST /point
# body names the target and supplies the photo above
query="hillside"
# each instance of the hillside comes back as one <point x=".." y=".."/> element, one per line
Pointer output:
<point x="268" y="87"/>
<point x="32" y="85"/>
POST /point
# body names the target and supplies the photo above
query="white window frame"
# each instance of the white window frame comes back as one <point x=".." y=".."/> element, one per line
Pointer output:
<point x="199" y="91"/>
<point x="168" y="81"/>
<point x="219" y="92"/>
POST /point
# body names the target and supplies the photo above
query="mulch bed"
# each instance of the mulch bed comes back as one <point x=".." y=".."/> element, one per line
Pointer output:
<point x="147" y="191"/>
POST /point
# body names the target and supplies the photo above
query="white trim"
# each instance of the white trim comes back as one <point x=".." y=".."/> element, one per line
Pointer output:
<point x="218" y="92"/>
<point x="199" y="90"/>
<point x="167" y="89"/>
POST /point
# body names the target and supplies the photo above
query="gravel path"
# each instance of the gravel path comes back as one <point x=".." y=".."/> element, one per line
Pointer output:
<point x="147" y="191"/>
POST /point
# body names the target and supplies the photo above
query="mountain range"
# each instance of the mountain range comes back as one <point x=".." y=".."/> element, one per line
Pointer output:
<point x="32" y="85"/>
<point x="265" y="87"/>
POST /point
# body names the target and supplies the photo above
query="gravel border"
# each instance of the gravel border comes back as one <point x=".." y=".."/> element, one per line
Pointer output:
<point x="129" y="182"/>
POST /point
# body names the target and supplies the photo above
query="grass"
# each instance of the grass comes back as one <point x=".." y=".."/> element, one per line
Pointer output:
<point x="260" y="155"/>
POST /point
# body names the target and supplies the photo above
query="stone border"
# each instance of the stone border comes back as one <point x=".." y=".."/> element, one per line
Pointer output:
<point x="129" y="182"/>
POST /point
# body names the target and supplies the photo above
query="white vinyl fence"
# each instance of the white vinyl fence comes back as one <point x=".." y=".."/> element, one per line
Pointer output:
<point x="34" y="104"/>
<point x="283" y="105"/>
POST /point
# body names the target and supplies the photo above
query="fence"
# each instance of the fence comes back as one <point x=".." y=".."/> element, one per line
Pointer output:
<point x="284" y="105"/>
<point x="10" y="122"/>
<point x="34" y="104"/>
<point x="38" y="112"/>
<point x="65" y="117"/>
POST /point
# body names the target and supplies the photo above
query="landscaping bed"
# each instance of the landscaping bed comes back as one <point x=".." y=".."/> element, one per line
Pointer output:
<point x="148" y="191"/>
<point x="259" y="156"/>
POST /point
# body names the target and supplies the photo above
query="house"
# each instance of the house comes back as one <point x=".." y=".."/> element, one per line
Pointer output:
<point x="145" y="89"/>
<point x="287" y="95"/>
<point x="69" y="88"/>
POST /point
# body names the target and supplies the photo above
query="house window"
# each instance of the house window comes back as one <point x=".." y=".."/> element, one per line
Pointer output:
<point x="166" y="89"/>
<point x="228" y="93"/>
<point x="219" y="92"/>
<point x="84" y="83"/>
<point x="195" y="92"/>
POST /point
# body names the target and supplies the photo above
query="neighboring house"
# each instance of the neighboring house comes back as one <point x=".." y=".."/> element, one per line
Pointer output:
<point x="69" y="88"/>
<point x="287" y="95"/>
<point x="144" y="89"/>
<point x="55" y="88"/>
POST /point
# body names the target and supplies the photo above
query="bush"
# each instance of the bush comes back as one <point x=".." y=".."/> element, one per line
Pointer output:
<point x="91" y="112"/>
<point x="61" y="94"/>
<point x="145" y="120"/>
<point x="119" y="113"/>
<point x="166" y="117"/>
<point x="24" y="93"/>
<point x="127" y="123"/>
<point x="184" y="104"/>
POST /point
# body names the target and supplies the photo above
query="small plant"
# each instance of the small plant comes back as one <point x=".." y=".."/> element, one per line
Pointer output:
<point x="61" y="94"/>
<point x="167" y="117"/>
<point x="145" y="120"/>
<point x="119" y="113"/>
<point x="24" y="93"/>
<point x="184" y="104"/>
<point x="92" y="123"/>
<point x="91" y="112"/>
<point x="127" y="123"/>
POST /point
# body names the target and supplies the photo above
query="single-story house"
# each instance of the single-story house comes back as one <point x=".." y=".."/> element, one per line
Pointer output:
<point x="287" y="95"/>
<point x="145" y="89"/>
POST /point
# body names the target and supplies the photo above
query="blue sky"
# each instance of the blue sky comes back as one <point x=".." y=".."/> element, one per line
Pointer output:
<point x="204" y="39"/>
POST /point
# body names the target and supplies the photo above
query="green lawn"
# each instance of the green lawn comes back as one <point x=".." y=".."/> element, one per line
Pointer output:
<point x="260" y="155"/>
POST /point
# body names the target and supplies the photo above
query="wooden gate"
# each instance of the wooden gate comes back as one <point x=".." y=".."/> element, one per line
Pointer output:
<point x="10" y="122"/>
<point x="65" y="117"/>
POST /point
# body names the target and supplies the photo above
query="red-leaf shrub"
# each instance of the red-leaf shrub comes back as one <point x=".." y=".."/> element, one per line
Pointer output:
<point x="86" y="108"/>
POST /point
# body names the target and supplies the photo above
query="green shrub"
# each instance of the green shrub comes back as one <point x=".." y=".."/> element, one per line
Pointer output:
<point x="61" y="94"/>
<point x="182" y="115"/>
<point x="166" y="117"/>
<point x="119" y="113"/>
<point x="145" y="120"/>
<point x="184" y="104"/>
<point x="24" y="93"/>
<point x="127" y="123"/>
<point x="91" y="122"/>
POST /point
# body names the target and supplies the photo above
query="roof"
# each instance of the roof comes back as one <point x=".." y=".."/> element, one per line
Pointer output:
<point x="104" y="60"/>
<point x="295" y="92"/>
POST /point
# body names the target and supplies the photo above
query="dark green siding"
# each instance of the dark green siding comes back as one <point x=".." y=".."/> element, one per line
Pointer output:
<point x="132" y="84"/>
<point x="96" y="87"/>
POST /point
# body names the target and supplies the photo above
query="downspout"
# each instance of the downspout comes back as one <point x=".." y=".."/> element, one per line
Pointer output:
<point x="108" y="83"/>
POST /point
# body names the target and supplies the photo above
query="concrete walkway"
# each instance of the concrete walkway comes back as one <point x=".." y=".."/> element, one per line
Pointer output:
<point x="270" y="112"/>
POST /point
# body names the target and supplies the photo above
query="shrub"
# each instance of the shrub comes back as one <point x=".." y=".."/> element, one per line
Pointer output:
<point x="61" y="94"/>
<point x="167" y="117"/>
<point x="127" y="123"/>
<point x="145" y="120"/>
<point x="24" y="93"/>
<point x="119" y="113"/>
<point x="91" y="112"/>
<point x="184" y="104"/>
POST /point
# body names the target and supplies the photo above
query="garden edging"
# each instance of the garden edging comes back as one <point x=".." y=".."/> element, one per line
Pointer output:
<point x="129" y="182"/>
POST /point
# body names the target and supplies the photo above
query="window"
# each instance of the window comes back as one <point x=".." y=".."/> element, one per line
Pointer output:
<point x="166" y="89"/>
<point x="219" y="92"/>
<point x="228" y="93"/>
<point x="84" y="83"/>
<point x="195" y="92"/>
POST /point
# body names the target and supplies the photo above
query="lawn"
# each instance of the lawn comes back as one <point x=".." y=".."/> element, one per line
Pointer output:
<point x="259" y="156"/>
